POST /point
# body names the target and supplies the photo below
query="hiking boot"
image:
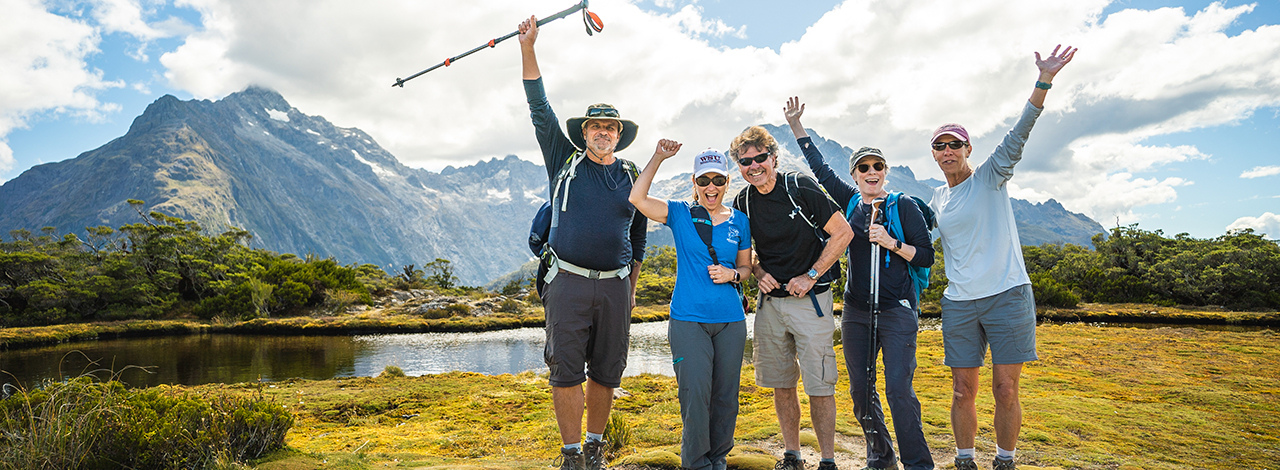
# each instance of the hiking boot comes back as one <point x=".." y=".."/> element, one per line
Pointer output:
<point x="827" y="466"/>
<point x="789" y="462"/>
<point x="594" y="451"/>
<point x="571" y="460"/>
<point x="1002" y="464"/>
<point x="965" y="464"/>
<point x="891" y="467"/>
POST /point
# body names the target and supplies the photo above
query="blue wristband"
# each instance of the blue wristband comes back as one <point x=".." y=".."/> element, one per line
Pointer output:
<point x="1043" y="86"/>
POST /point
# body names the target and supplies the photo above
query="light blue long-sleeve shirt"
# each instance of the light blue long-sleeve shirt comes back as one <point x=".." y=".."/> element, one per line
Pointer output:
<point x="975" y="222"/>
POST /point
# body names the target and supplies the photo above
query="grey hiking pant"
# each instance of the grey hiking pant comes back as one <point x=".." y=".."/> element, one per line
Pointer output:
<point x="897" y="331"/>
<point x="708" y="362"/>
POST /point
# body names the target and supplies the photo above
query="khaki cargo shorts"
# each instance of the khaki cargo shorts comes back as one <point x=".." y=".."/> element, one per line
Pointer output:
<point x="791" y="341"/>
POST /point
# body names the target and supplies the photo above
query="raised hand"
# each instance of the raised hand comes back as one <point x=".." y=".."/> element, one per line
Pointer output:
<point x="793" y="110"/>
<point x="528" y="30"/>
<point x="666" y="149"/>
<point x="1055" y="62"/>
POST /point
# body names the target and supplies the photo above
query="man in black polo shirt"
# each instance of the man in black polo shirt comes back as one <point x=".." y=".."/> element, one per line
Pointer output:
<point x="793" y="325"/>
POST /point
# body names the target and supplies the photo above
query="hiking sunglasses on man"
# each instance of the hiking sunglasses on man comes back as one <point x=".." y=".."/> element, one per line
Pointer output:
<point x="593" y="257"/>
<point x="799" y="233"/>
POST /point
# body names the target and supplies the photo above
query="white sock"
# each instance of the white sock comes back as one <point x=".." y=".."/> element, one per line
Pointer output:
<point x="1004" y="454"/>
<point x="574" y="446"/>
<point x="964" y="453"/>
<point x="591" y="436"/>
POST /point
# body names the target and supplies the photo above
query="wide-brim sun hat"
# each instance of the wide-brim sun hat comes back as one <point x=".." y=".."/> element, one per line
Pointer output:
<point x="601" y="111"/>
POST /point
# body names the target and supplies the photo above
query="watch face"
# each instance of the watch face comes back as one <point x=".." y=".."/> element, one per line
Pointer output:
<point x="813" y="273"/>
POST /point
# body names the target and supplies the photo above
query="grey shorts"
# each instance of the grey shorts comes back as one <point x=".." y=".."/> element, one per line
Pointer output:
<point x="1006" y="321"/>
<point x="791" y="341"/>
<point x="588" y="329"/>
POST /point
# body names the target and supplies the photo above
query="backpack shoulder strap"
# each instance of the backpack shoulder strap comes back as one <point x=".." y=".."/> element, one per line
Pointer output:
<point x="632" y="171"/>
<point x="703" y="224"/>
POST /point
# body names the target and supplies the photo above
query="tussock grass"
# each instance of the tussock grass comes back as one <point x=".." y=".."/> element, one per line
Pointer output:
<point x="85" y="423"/>
<point x="1099" y="398"/>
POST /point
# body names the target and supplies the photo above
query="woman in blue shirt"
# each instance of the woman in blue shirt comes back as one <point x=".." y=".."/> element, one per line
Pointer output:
<point x="708" y="327"/>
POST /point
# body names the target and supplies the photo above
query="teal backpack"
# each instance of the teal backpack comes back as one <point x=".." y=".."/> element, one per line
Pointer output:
<point x="919" y="275"/>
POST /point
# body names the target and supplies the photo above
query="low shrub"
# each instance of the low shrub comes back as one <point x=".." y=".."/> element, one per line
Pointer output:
<point x="85" y="423"/>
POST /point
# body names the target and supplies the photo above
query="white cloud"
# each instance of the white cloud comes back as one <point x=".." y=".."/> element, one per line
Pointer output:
<point x="124" y="16"/>
<point x="1261" y="171"/>
<point x="42" y="56"/>
<point x="1267" y="224"/>
<point x="873" y="72"/>
<point x="6" y="158"/>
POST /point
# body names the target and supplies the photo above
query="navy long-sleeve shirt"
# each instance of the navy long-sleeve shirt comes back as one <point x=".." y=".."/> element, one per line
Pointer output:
<point x="895" y="283"/>
<point x="600" y="229"/>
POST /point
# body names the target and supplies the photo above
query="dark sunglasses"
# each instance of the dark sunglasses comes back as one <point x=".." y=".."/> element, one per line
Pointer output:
<point x="602" y="112"/>
<point x="758" y="159"/>
<point x="718" y="180"/>
<point x="955" y="145"/>
<point x="863" y="168"/>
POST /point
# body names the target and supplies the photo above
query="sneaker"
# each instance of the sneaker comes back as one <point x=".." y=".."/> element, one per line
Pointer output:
<point x="789" y="462"/>
<point x="827" y="466"/>
<point x="594" y="451"/>
<point x="571" y="460"/>
<point x="965" y="464"/>
<point x="1002" y="464"/>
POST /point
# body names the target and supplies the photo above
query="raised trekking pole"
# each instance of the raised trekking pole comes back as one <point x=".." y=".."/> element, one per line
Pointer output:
<point x="868" y="418"/>
<point x="589" y="19"/>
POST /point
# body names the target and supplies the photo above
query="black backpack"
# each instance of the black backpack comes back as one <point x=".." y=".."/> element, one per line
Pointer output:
<point x="788" y="180"/>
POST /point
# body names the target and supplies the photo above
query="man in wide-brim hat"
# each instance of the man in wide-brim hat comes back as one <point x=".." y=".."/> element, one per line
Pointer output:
<point x="592" y="260"/>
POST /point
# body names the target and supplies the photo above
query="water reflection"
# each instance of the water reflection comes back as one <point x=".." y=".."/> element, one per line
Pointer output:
<point x="201" y="359"/>
<point x="194" y="359"/>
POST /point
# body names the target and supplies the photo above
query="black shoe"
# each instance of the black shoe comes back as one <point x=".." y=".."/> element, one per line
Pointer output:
<point x="1002" y="464"/>
<point x="594" y="451"/>
<point x="571" y="460"/>
<point x="965" y="464"/>
<point x="789" y="462"/>
<point x="827" y="466"/>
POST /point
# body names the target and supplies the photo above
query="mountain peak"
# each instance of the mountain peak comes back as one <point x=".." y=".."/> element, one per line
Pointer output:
<point x="256" y="95"/>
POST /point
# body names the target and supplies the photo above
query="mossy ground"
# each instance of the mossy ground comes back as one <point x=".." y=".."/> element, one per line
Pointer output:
<point x="1099" y="398"/>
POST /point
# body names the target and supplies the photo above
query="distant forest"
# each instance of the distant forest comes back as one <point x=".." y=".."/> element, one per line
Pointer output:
<point x="165" y="267"/>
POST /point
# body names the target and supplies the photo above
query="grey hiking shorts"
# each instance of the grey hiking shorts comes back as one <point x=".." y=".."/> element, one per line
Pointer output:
<point x="588" y="329"/>
<point x="1006" y="321"/>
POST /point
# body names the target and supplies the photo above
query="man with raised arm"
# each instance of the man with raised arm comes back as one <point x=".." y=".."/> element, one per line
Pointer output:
<point x="595" y="247"/>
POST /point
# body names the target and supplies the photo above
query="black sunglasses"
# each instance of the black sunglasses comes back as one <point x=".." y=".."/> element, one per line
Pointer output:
<point x="718" y="180"/>
<point x="758" y="159"/>
<point x="602" y="112"/>
<point x="863" y="168"/>
<point x="955" y="145"/>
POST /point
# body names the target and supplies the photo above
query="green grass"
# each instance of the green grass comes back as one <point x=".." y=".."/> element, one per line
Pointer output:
<point x="1099" y="398"/>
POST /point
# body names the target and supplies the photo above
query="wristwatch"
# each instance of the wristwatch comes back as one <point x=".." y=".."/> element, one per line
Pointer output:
<point x="897" y="246"/>
<point x="736" y="275"/>
<point x="813" y="274"/>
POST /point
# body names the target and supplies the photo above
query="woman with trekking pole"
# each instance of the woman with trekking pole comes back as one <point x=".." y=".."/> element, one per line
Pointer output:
<point x="708" y="328"/>
<point x="881" y="300"/>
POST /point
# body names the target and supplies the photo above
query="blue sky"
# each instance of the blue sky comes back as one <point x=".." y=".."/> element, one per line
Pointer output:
<point x="1167" y="118"/>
